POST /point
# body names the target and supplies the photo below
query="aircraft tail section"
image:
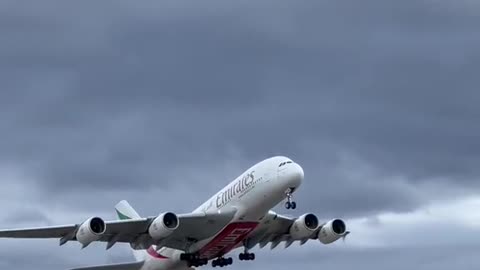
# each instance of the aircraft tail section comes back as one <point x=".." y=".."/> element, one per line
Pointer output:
<point x="121" y="266"/>
<point x="125" y="211"/>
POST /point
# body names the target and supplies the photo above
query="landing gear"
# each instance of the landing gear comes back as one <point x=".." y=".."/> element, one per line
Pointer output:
<point x="245" y="256"/>
<point x="290" y="204"/>
<point x="222" y="262"/>
<point x="197" y="263"/>
<point x="193" y="259"/>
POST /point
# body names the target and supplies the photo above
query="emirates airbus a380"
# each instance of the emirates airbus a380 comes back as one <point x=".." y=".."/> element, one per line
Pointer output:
<point x="238" y="216"/>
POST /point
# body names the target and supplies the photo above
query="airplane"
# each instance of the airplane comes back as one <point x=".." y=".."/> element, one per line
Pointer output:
<point x="238" y="216"/>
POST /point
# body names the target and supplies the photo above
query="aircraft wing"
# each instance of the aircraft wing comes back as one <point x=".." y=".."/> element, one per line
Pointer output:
<point x="40" y="232"/>
<point x="121" y="266"/>
<point x="276" y="229"/>
<point x="192" y="226"/>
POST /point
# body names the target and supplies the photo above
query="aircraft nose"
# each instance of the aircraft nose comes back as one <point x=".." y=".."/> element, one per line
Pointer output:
<point x="297" y="172"/>
<point x="293" y="175"/>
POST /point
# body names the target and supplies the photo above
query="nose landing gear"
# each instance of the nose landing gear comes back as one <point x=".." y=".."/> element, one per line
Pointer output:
<point x="290" y="204"/>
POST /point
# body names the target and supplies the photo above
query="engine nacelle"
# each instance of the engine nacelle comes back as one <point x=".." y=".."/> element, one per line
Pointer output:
<point x="304" y="226"/>
<point x="332" y="231"/>
<point x="163" y="225"/>
<point x="91" y="230"/>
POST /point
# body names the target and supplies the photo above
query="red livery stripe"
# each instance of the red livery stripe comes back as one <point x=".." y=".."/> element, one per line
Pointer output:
<point x="152" y="252"/>
<point x="227" y="239"/>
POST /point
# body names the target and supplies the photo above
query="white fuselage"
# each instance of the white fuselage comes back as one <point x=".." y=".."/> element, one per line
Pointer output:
<point x="251" y="195"/>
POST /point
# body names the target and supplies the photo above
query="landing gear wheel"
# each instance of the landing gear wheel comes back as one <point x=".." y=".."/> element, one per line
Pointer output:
<point x="245" y="256"/>
<point x="293" y="205"/>
<point x="222" y="262"/>
<point x="288" y="205"/>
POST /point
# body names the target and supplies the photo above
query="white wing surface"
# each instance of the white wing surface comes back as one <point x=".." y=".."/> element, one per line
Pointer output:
<point x="276" y="229"/>
<point x="191" y="227"/>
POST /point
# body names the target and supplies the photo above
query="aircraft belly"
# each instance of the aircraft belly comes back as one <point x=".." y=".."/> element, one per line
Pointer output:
<point x="251" y="208"/>
<point x="227" y="239"/>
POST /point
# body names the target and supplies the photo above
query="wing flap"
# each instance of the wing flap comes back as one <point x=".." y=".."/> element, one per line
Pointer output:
<point x="274" y="231"/>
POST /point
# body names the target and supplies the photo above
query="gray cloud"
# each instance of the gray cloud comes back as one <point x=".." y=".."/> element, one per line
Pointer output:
<point x="105" y="101"/>
<point x="378" y="258"/>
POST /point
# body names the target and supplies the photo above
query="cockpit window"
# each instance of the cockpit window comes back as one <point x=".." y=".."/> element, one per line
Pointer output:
<point x="283" y="163"/>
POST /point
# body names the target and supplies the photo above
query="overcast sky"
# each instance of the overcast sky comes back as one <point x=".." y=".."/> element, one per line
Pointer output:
<point x="163" y="103"/>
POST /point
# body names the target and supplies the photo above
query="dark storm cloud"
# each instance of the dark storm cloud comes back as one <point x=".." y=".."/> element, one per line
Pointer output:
<point x="103" y="101"/>
<point x="125" y="98"/>
<point x="130" y="98"/>
<point x="28" y="216"/>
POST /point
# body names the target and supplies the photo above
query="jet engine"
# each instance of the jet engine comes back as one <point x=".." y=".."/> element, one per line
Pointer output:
<point x="332" y="231"/>
<point x="90" y="230"/>
<point x="163" y="225"/>
<point x="304" y="226"/>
